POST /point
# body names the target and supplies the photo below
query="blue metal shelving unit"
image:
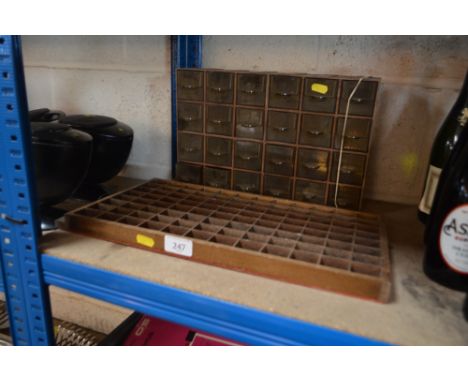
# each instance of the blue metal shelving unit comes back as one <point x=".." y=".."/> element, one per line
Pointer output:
<point x="25" y="272"/>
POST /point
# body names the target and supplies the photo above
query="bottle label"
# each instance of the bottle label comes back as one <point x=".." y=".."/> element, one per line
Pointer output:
<point x="432" y="181"/>
<point x="463" y="117"/>
<point x="453" y="240"/>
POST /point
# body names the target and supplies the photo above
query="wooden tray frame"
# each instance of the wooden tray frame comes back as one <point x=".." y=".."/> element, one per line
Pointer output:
<point x="374" y="287"/>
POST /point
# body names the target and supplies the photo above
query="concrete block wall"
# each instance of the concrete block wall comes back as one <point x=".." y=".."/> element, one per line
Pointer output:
<point x="129" y="78"/>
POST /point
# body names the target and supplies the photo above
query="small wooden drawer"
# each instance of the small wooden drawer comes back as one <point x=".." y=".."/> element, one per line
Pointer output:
<point x="249" y="123"/>
<point x="310" y="192"/>
<point x="219" y="119"/>
<point x="190" y="85"/>
<point x="352" y="168"/>
<point x="190" y="147"/>
<point x="316" y="130"/>
<point x="285" y="92"/>
<point x="219" y="87"/>
<point x="363" y="100"/>
<point x="279" y="160"/>
<point x="251" y="89"/>
<point x="246" y="182"/>
<point x="313" y="164"/>
<point x="188" y="173"/>
<point x="217" y="177"/>
<point x="282" y="126"/>
<point x="190" y="116"/>
<point x="356" y="135"/>
<point x="320" y="95"/>
<point x="248" y="155"/>
<point x="277" y="186"/>
<point x="218" y="151"/>
<point x="348" y="197"/>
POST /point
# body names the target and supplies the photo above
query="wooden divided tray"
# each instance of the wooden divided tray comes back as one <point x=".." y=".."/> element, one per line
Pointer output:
<point x="317" y="246"/>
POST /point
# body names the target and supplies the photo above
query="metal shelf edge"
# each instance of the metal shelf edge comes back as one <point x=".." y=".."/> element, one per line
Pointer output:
<point x="229" y="320"/>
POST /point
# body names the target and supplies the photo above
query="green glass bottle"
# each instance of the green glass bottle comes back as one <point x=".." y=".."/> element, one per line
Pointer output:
<point x="443" y="145"/>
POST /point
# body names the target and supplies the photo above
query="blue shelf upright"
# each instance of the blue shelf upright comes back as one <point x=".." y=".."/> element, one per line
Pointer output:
<point x="186" y="52"/>
<point x="26" y="294"/>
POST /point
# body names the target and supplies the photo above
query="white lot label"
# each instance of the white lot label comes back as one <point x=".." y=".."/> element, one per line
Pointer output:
<point x="178" y="245"/>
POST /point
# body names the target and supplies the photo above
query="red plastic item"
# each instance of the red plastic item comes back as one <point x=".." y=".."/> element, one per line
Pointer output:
<point x="150" y="331"/>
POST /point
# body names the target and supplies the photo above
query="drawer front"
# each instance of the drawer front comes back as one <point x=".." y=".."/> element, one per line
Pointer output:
<point x="218" y="151"/>
<point x="348" y="197"/>
<point x="248" y="155"/>
<point x="190" y="116"/>
<point x="320" y="95"/>
<point x="313" y="164"/>
<point x="190" y="147"/>
<point x="217" y="177"/>
<point x="363" y="100"/>
<point x="279" y="160"/>
<point x="282" y="126"/>
<point x="190" y="85"/>
<point x="352" y="168"/>
<point x="246" y="182"/>
<point x="219" y="87"/>
<point x="285" y="92"/>
<point x="316" y="130"/>
<point x="310" y="192"/>
<point x="249" y="123"/>
<point x="188" y="173"/>
<point x="219" y="120"/>
<point x="277" y="186"/>
<point x="356" y="136"/>
<point x="251" y="89"/>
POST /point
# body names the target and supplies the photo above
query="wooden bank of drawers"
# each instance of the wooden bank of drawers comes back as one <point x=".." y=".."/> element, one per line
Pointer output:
<point x="274" y="134"/>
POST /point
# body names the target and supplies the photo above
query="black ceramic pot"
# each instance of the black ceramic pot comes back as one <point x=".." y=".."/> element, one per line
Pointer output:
<point x="61" y="158"/>
<point x="112" y="142"/>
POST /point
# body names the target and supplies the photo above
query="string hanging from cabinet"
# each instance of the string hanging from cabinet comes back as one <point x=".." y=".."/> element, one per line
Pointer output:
<point x="343" y="135"/>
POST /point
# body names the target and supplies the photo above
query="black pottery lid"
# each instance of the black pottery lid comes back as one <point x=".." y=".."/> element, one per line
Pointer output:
<point x="57" y="133"/>
<point x="99" y="125"/>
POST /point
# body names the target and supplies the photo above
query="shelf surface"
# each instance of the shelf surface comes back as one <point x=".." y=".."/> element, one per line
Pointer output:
<point x="260" y="310"/>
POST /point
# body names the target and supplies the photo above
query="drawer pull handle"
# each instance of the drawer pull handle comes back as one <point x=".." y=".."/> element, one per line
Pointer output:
<point x="277" y="162"/>
<point x="185" y="179"/>
<point x="276" y="192"/>
<point x="309" y="196"/>
<point x="318" y="98"/>
<point x="343" y="203"/>
<point x="246" y="187"/>
<point x="347" y="170"/>
<point x="215" y="184"/>
<point x="249" y="91"/>
<point x="281" y="128"/>
<point x="190" y="149"/>
<point x="248" y="157"/>
<point x="355" y="137"/>
<point x="315" y="133"/>
<point x="249" y="125"/>
<point x="218" y="122"/>
<point x="219" y="89"/>
<point x="189" y="118"/>
<point x="218" y="153"/>
<point x="285" y="94"/>
<point x="312" y="165"/>
<point x="358" y="100"/>
<point x="191" y="86"/>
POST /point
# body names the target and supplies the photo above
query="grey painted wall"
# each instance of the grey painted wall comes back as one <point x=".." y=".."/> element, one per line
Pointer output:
<point x="129" y="78"/>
